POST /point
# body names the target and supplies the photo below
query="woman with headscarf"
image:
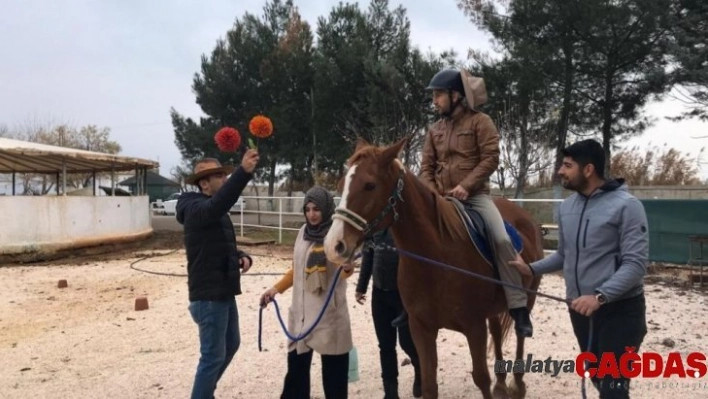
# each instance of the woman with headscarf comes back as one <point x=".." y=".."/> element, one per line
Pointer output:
<point x="310" y="277"/>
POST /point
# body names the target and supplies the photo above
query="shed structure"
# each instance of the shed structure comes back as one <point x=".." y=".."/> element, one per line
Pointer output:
<point x="39" y="224"/>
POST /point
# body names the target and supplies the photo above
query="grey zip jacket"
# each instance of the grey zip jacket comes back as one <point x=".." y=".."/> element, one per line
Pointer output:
<point x="603" y="244"/>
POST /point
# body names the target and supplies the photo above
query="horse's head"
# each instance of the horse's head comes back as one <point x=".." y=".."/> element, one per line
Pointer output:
<point x="370" y="190"/>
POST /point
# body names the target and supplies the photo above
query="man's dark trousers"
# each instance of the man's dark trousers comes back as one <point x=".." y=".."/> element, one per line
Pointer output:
<point x="616" y="325"/>
<point x="386" y="306"/>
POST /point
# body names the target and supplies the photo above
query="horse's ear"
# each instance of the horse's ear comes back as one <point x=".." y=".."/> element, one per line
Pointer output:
<point x="391" y="152"/>
<point x="361" y="143"/>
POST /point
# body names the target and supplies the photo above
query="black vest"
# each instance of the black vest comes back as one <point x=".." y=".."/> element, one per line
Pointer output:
<point x="385" y="264"/>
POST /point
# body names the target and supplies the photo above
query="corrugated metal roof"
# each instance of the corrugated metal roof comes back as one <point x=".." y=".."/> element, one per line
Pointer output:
<point x="27" y="157"/>
<point x="152" y="178"/>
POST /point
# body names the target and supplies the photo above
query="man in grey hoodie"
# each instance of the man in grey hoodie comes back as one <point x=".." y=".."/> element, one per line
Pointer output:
<point x="603" y="249"/>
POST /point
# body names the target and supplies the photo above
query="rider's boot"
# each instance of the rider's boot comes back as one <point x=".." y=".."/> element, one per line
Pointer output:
<point x="522" y="320"/>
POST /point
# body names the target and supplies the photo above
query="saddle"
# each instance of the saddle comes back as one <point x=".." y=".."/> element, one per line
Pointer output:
<point x="479" y="234"/>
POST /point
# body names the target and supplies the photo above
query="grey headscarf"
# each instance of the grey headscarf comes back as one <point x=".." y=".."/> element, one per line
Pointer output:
<point x="324" y="200"/>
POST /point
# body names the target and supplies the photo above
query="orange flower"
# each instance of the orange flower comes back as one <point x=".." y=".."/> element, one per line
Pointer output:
<point x="260" y="126"/>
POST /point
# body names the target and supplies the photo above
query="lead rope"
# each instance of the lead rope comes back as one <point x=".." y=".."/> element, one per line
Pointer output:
<point x="587" y="362"/>
<point x="296" y="338"/>
<point x="282" y="323"/>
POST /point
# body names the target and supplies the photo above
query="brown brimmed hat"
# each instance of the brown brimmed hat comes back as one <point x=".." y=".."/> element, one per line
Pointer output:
<point x="206" y="168"/>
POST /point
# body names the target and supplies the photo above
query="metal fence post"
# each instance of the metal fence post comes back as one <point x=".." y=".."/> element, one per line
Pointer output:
<point x="242" y="206"/>
<point x="280" y="220"/>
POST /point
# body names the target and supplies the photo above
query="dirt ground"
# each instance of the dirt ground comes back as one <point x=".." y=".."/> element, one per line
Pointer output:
<point x="87" y="341"/>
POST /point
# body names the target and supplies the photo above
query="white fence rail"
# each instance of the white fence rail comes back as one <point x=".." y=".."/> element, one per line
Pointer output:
<point x="284" y="213"/>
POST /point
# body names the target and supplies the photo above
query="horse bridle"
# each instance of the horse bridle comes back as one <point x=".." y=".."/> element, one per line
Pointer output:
<point x="367" y="228"/>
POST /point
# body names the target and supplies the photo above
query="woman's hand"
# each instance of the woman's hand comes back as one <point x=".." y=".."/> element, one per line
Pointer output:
<point x="268" y="296"/>
<point x="348" y="267"/>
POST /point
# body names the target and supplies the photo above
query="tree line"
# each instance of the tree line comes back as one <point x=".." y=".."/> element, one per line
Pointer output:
<point x="580" y="68"/>
<point x="355" y="74"/>
<point x="564" y="69"/>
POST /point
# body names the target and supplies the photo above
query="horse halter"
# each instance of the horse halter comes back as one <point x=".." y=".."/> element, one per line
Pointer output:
<point x="359" y="223"/>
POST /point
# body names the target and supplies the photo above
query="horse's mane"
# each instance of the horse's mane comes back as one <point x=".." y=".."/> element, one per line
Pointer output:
<point x="368" y="151"/>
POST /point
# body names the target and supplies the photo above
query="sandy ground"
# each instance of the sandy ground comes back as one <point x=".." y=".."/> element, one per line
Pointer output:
<point x="86" y="341"/>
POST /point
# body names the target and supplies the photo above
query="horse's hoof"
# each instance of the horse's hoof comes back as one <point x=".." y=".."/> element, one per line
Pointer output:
<point x="500" y="392"/>
<point x="517" y="391"/>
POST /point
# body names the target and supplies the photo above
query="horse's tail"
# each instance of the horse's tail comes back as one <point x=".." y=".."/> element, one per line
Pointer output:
<point x="506" y="324"/>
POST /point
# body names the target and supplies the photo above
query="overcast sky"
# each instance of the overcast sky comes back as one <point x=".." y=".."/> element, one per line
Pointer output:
<point x="123" y="64"/>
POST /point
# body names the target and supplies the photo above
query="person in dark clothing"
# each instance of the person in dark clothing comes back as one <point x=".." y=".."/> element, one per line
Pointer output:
<point x="214" y="264"/>
<point x="386" y="305"/>
<point x="603" y="250"/>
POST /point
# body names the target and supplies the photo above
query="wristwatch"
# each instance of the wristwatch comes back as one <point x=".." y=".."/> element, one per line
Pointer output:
<point x="601" y="299"/>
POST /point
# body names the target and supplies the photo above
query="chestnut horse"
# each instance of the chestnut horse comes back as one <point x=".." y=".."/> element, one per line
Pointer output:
<point x="378" y="192"/>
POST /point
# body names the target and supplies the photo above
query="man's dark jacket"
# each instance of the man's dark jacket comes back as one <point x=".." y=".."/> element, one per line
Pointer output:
<point x="381" y="263"/>
<point x="209" y="238"/>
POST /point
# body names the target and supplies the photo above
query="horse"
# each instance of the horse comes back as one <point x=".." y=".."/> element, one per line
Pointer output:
<point x="377" y="191"/>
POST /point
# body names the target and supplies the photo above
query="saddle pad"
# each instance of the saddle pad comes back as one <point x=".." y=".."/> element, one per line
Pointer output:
<point x="478" y="233"/>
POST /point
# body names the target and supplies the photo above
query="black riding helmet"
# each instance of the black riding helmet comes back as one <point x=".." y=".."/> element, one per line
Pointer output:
<point x="447" y="79"/>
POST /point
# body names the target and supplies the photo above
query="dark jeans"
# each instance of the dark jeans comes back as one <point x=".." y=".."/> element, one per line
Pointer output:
<point x="386" y="306"/>
<point x="615" y="326"/>
<point x="219" y="339"/>
<point x="335" y="376"/>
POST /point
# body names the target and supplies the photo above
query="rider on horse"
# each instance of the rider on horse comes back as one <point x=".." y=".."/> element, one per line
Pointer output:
<point x="460" y="153"/>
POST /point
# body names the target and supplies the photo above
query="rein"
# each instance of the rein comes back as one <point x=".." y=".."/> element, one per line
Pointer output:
<point x="467" y="272"/>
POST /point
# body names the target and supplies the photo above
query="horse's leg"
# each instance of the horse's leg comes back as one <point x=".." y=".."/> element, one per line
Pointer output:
<point x="425" y="339"/>
<point x="476" y="333"/>
<point x="495" y="328"/>
<point x="517" y="388"/>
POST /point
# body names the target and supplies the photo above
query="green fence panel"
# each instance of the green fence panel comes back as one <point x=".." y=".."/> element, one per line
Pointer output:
<point x="671" y="222"/>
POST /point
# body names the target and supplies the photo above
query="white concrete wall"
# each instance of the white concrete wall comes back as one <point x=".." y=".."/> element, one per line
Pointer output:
<point x="49" y="223"/>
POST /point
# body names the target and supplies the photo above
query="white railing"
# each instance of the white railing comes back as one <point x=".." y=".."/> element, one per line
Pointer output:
<point x="250" y="209"/>
<point x="284" y="216"/>
<point x="278" y="211"/>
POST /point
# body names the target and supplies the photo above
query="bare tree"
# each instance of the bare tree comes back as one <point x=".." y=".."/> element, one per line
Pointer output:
<point x="89" y="138"/>
<point x="656" y="166"/>
<point x="180" y="172"/>
<point x="525" y="148"/>
<point x="32" y="129"/>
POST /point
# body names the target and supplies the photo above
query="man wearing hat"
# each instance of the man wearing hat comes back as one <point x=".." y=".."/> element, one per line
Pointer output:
<point x="214" y="263"/>
<point x="460" y="153"/>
